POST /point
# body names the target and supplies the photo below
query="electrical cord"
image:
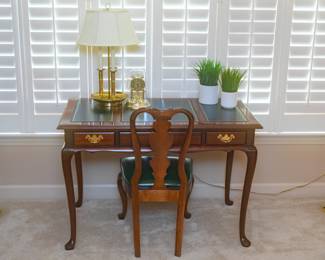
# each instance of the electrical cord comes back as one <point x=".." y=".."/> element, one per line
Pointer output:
<point x="262" y="193"/>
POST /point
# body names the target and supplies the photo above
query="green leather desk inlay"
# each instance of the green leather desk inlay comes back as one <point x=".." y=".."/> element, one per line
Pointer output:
<point x="215" y="113"/>
<point x="161" y="104"/>
<point x="87" y="111"/>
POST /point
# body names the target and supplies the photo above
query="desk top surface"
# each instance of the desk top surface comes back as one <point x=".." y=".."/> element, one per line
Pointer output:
<point x="86" y="114"/>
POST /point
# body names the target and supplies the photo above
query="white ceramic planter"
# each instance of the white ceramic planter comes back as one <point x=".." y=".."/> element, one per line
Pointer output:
<point x="209" y="95"/>
<point x="228" y="99"/>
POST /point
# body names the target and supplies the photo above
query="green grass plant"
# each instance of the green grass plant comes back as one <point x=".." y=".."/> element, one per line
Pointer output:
<point x="230" y="79"/>
<point x="208" y="72"/>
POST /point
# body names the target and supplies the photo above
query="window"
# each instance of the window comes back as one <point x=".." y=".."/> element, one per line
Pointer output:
<point x="250" y="47"/>
<point x="54" y="59"/>
<point x="184" y="41"/>
<point x="10" y="74"/>
<point x="304" y="97"/>
<point x="57" y="63"/>
<point x="280" y="44"/>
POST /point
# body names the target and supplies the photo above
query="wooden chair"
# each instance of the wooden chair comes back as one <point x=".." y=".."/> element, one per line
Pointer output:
<point x="158" y="177"/>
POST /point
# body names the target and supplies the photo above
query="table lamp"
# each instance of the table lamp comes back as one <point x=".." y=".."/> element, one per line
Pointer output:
<point x="108" y="28"/>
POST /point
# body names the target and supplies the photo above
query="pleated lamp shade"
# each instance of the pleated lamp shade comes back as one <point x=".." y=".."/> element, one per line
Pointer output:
<point x="107" y="27"/>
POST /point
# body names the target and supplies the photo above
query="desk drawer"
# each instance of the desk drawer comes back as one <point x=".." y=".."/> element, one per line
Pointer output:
<point x="125" y="138"/>
<point x="94" y="138"/>
<point x="225" y="138"/>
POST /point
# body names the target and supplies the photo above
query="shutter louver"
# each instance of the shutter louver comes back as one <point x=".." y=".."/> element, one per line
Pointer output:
<point x="251" y="39"/>
<point x="185" y="27"/>
<point x="304" y="107"/>
<point x="9" y="69"/>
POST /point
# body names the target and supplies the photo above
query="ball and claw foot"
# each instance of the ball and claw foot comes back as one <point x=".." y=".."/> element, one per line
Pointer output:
<point x="245" y="242"/>
<point x="70" y="245"/>
<point x="187" y="215"/>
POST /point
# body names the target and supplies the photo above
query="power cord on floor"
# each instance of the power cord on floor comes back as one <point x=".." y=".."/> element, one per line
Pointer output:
<point x="262" y="193"/>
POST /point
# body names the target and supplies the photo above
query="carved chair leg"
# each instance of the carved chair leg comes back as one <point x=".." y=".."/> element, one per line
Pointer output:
<point x="79" y="179"/>
<point x="229" y="163"/>
<point x="180" y="224"/>
<point x="67" y="172"/>
<point x="251" y="153"/>
<point x="124" y="197"/>
<point x="187" y="214"/>
<point x="136" y="225"/>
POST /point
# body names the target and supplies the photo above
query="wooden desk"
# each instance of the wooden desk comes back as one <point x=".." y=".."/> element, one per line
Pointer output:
<point x="89" y="128"/>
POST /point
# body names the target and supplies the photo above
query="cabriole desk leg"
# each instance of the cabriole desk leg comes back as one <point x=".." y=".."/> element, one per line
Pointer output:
<point x="251" y="154"/>
<point x="78" y="160"/>
<point x="66" y="165"/>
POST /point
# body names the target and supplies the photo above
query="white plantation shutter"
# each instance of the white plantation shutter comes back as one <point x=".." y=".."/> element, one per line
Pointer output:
<point x="250" y="47"/>
<point x="10" y="110"/>
<point x="130" y="60"/>
<point x="185" y="27"/>
<point x="54" y="59"/>
<point x="304" y="101"/>
<point x="281" y="45"/>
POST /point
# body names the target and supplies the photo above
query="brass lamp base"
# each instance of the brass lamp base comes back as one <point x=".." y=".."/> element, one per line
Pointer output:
<point x="108" y="100"/>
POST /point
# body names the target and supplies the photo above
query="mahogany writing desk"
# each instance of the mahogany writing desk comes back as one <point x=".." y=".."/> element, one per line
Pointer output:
<point x="90" y="128"/>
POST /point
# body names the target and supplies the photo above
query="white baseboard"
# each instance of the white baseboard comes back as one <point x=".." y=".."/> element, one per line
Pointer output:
<point x="109" y="191"/>
<point x="314" y="190"/>
<point x="55" y="192"/>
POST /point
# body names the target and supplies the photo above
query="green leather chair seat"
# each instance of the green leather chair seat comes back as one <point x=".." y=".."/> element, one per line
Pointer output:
<point x="147" y="179"/>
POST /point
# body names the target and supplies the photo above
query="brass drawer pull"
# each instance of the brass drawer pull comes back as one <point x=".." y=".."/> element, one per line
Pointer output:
<point x="226" y="138"/>
<point x="94" y="139"/>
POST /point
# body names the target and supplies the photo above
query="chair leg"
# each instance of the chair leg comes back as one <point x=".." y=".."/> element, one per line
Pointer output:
<point x="180" y="224"/>
<point x="124" y="197"/>
<point x="187" y="214"/>
<point x="136" y="225"/>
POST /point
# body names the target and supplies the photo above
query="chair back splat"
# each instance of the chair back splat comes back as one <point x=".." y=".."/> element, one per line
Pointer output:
<point x="160" y="141"/>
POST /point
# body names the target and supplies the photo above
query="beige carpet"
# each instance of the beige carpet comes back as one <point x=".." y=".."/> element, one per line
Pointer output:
<point x="278" y="228"/>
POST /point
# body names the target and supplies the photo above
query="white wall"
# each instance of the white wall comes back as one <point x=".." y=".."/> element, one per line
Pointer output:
<point x="30" y="168"/>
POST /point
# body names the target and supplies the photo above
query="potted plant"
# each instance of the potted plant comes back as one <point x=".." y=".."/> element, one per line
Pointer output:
<point x="208" y="72"/>
<point x="230" y="80"/>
